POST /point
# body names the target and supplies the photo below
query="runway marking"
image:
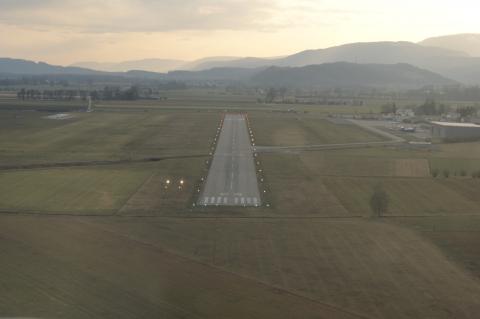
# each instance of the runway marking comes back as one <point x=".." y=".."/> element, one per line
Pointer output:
<point x="231" y="170"/>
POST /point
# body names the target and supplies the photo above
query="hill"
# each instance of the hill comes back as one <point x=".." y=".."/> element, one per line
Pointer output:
<point x="468" y="43"/>
<point x="343" y="74"/>
<point x="17" y="66"/>
<point x="369" y="52"/>
<point x="215" y="74"/>
<point x="151" y="65"/>
<point x="452" y="64"/>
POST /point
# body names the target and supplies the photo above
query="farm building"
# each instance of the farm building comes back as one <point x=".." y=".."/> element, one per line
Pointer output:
<point x="455" y="131"/>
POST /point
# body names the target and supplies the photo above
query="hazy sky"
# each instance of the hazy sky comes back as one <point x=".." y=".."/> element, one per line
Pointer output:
<point x="67" y="31"/>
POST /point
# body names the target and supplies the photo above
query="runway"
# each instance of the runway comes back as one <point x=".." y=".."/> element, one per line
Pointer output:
<point x="232" y="179"/>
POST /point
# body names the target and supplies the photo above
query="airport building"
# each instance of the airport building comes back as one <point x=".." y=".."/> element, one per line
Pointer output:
<point x="455" y="131"/>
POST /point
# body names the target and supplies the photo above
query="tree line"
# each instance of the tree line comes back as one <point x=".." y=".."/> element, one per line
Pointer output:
<point x="107" y="93"/>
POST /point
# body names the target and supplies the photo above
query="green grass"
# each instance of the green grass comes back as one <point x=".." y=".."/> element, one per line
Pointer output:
<point x="309" y="248"/>
<point x="455" y="165"/>
<point x="70" y="191"/>
<point x="278" y="129"/>
<point x="30" y="138"/>
<point x="408" y="197"/>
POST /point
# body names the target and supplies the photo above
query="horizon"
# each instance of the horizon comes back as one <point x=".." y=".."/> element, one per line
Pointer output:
<point x="215" y="56"/>
<point x="129" y="30"/>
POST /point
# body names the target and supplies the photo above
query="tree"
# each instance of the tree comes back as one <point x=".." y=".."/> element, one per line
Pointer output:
<point x="379" y="201"/>
<point x="428" y="108"/>
<point x="271" y="95"/>
<point x="466" y="111"/>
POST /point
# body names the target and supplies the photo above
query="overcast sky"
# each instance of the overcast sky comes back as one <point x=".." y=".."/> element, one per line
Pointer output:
<point x="67" y="31"/>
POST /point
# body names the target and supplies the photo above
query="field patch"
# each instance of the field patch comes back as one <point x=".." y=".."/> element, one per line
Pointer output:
<point x="294" y="189"/>
<point x="168" y="190"/>
<point x="336" y="164"/>
<point x="295" y="130"/>
<point x="29" y="138"/>
<point x="376" y="269"/>
<point x="456" y="166"/>
<point x="412" y="168"/>
<point x="408" y="196"/>
<point x="69" y="191"/>
<point x="67" y="268"/>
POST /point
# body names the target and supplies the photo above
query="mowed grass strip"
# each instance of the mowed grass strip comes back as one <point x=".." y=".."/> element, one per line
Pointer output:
<point x="69" y="191"/>
<point x="408" y="197"/>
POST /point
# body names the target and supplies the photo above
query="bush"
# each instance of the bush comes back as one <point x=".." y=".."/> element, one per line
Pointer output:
<point x="446" y="173"/>
<point x="463" y="173"/>
<point x="435" y="172"/>
<point x="379" y="201"/>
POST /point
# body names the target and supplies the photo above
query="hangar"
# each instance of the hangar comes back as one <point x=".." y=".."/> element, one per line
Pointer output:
<point x="455" y="131"/>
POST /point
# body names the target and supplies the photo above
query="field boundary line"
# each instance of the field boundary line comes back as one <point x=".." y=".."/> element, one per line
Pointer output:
<point x="135" y="192"/>
<point x="96" y="163"/>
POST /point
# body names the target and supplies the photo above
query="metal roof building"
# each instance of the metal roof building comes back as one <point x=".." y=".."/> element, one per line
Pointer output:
<point x="455" y="131"/>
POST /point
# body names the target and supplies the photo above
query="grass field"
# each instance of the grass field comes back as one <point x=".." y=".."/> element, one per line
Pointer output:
<point x="30" y="137"/>
<point x="70" y="191"/>
<point x="365" y="267"/>
<point x="117" y="241"/>
<point x="71" y="269"/>
<point x="279" y="129"/>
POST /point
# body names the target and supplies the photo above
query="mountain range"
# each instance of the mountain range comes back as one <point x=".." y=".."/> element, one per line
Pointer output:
<point x="455" y="56"/>
<point x="432" y="61"/>
<point x="350" y="75"/>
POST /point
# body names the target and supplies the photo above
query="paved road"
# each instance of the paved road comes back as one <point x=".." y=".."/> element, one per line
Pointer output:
<point x="232" y="179"/>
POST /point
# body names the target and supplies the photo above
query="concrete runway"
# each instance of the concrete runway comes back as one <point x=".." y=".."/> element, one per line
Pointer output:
<point x="232" y="179"/>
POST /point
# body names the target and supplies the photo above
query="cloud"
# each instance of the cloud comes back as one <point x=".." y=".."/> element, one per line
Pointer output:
<point x="110" y="16"/>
